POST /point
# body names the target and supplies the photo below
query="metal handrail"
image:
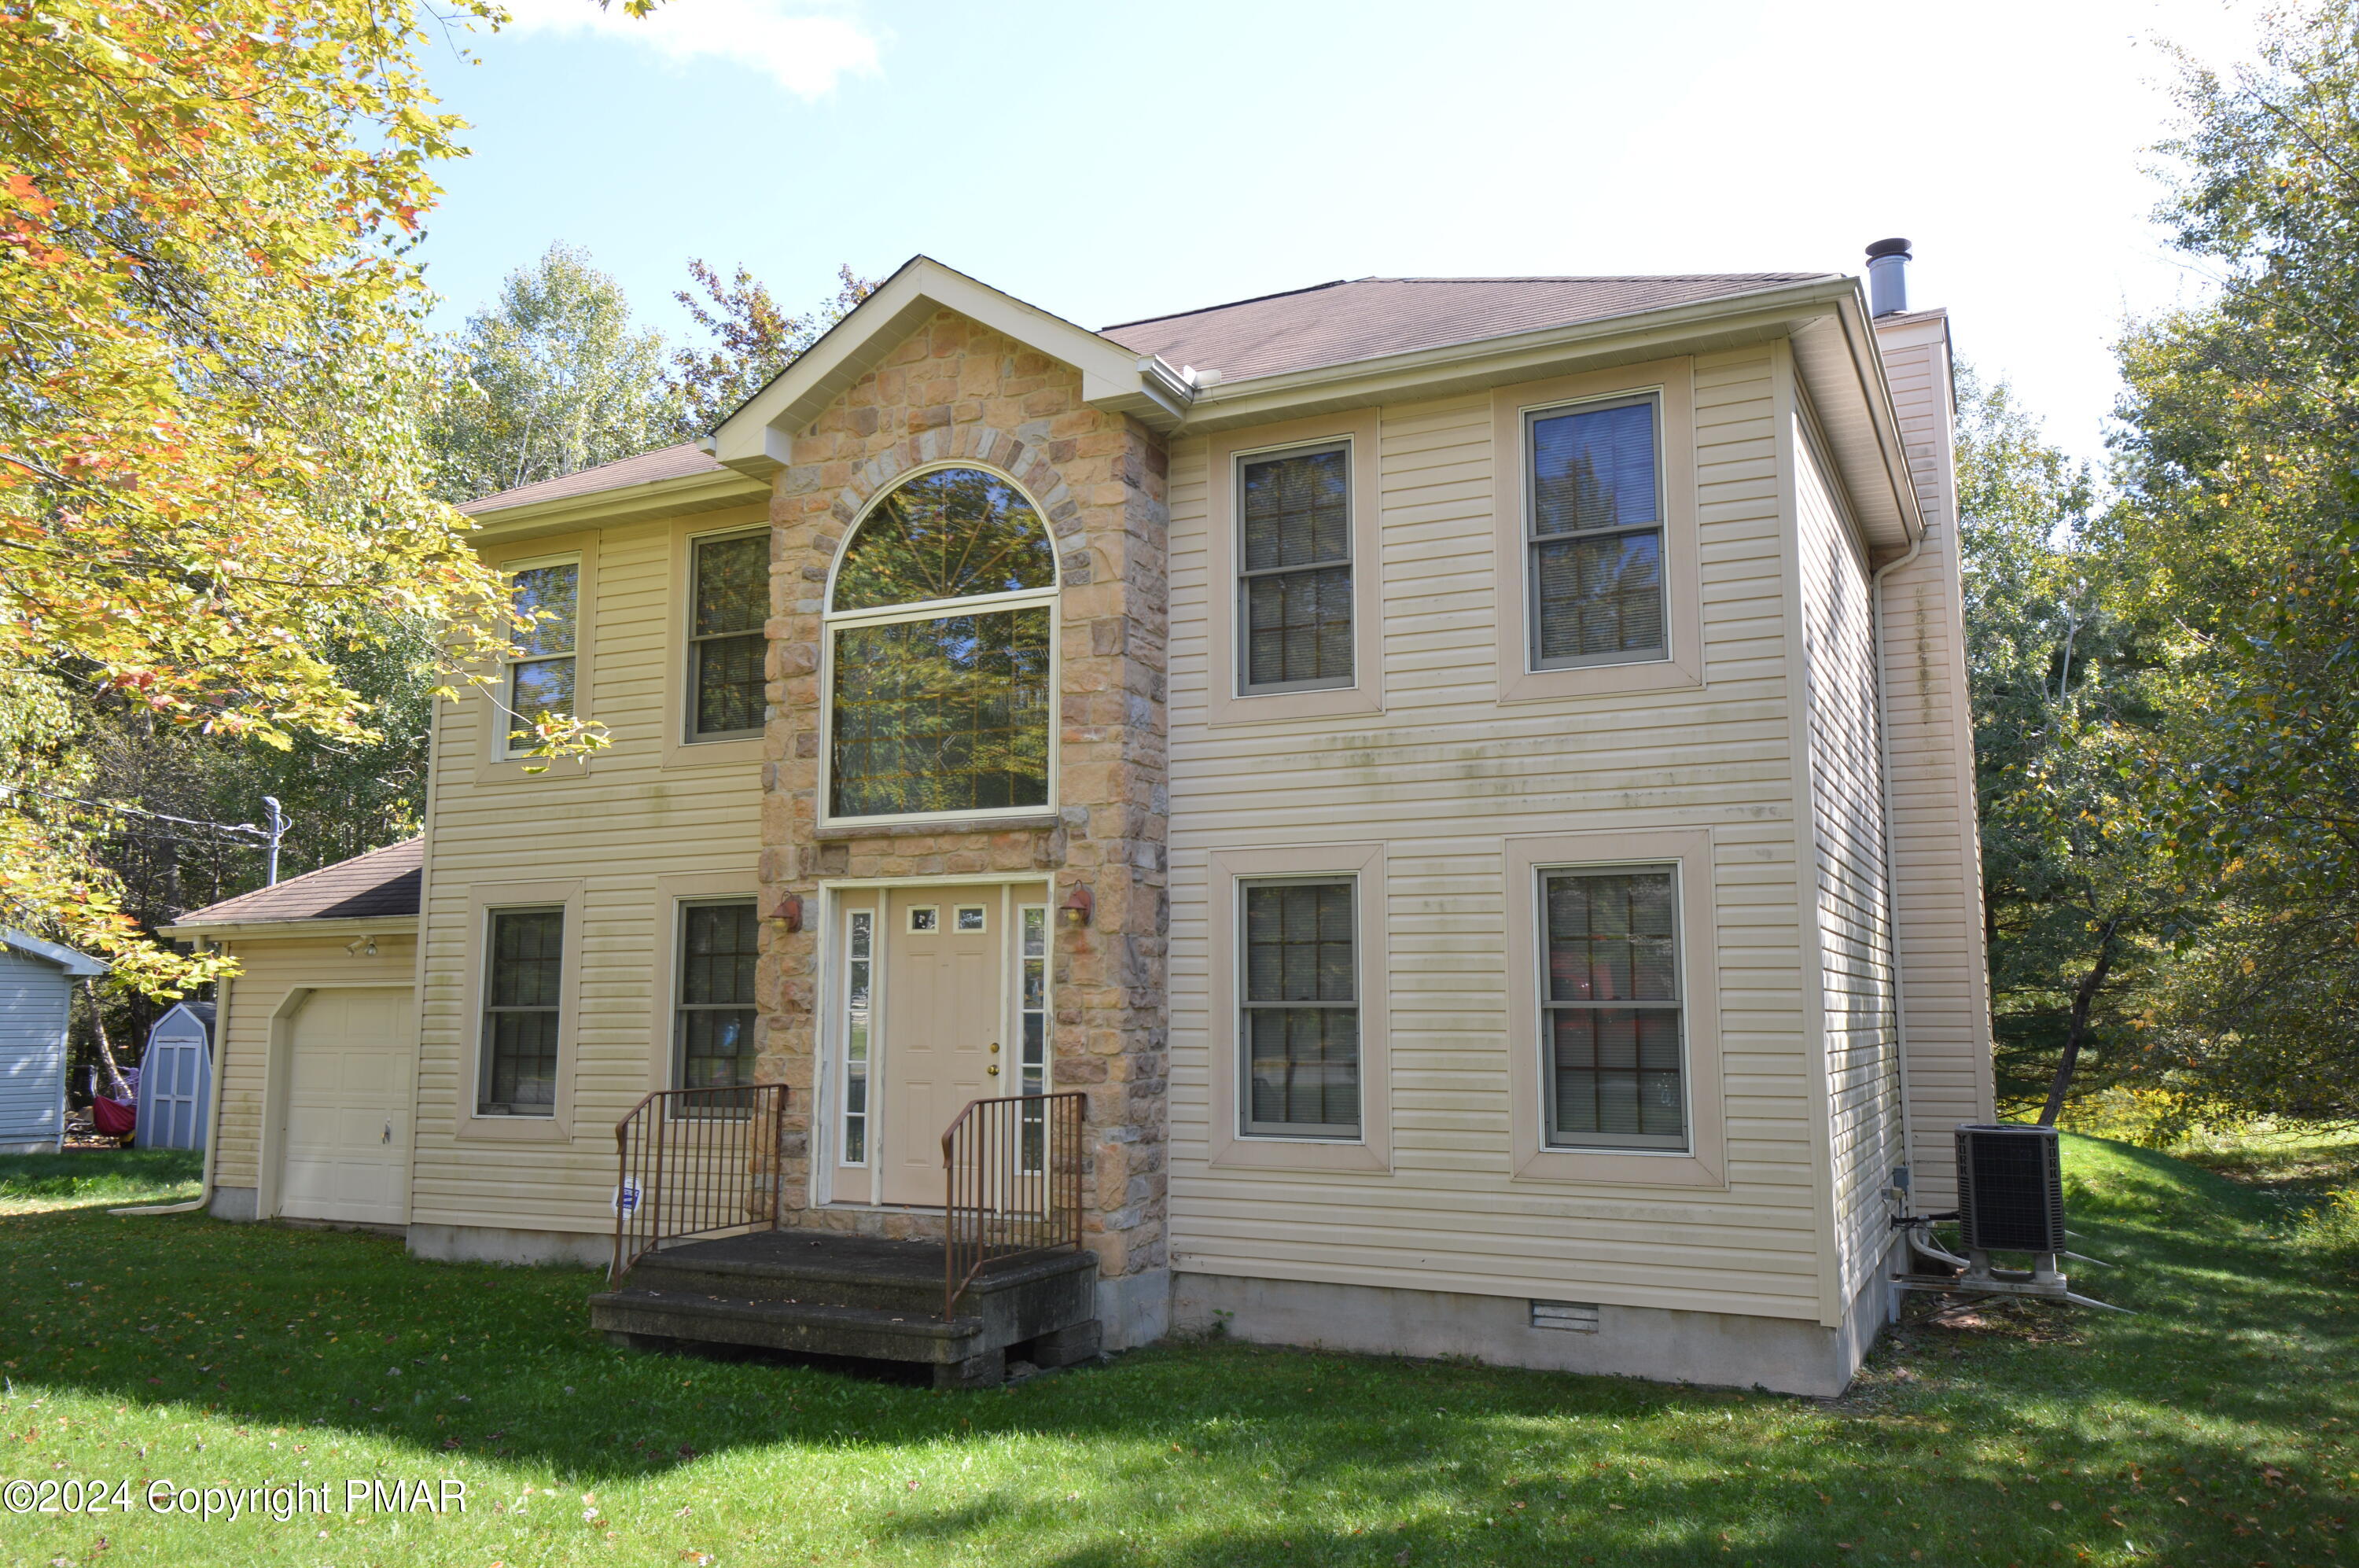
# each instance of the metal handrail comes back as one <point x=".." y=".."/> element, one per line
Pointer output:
<point x="688" y="1164"/>
<point x="1012" y="1176"/>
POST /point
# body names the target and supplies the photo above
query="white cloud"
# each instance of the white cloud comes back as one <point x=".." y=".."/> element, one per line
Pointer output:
<point x="804" y="51"/>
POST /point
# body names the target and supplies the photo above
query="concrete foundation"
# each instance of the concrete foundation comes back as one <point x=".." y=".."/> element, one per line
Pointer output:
<point x="498" y="1243"/>
<point x="34" y="1146"/>
<point x="1785" y="1356"/>
<point x="1135" y="1309"/>
<point x="239" y="1204"/>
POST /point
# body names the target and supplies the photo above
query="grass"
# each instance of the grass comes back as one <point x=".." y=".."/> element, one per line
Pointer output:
<point x="2212" y="1429"/>
<point x="36" y="1183"/>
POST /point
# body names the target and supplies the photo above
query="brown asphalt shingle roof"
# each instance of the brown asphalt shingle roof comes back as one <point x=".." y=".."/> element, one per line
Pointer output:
<point x="664" y="462"/>
<point x="1369" y="318"/>
<point x="381" y="882"/>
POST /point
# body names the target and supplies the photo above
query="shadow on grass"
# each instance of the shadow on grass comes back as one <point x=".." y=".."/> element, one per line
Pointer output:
<point x="1221" y="1452"/>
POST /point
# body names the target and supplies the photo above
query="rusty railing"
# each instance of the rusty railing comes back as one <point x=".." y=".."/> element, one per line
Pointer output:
<point x="1014" y="1179"/>
<point x="689" y="1165"/>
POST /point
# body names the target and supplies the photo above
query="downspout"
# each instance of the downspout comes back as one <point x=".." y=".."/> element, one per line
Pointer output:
<point x="1891" y="878"/>
<point x="220" y="1043"/>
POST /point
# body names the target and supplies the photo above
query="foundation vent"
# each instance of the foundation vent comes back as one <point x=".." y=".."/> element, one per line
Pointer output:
<point x="1575" y="1317"/>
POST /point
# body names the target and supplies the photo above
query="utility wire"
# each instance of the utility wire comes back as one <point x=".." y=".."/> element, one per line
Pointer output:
<point x="265" y="834"/>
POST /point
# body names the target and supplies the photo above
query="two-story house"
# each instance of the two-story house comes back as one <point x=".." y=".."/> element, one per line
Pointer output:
<point x="1470" y="777"/>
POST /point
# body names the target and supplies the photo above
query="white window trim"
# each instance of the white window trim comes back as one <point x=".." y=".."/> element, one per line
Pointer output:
<point x="483" y="899"/>
<point x="1652" y="397"/>
<point x="505" y="747"/>
<point x="684" y="715"/>
<point x="1232" y="1148"/>
<point x="1227" y="698"/>
<point x="832" y="619"/>
<point x="1541" y="876"/>
<point x="1241" y="577"/>
<point x="1703" y="1162"/>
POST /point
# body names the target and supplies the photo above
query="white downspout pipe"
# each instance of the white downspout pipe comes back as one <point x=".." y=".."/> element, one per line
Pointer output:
<point x="1891" y="880"/>
<point x="219" y="1044"/>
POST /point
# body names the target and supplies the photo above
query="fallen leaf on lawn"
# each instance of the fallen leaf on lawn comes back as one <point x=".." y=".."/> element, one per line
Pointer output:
<point x="2056" y="1507"/>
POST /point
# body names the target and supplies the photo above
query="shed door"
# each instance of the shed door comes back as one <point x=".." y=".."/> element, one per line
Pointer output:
<point x="347" y="1138"/>
<point x="174" y="1082"/>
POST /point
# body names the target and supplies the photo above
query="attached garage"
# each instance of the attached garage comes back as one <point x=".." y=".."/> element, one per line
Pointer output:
<point x="316" y="1040"/>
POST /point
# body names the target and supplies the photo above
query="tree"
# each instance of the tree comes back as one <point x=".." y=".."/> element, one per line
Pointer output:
<point x="2240" y="530"/>
<point x="754" y="340"/>
<point x="2081" y="905"/>
<point x="210" y="473"/>
<point x="548" y="380"/>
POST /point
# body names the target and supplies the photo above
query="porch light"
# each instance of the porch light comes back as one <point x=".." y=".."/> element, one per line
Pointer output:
<point x="789" y="912"/>
<point x="1077" y="906"/>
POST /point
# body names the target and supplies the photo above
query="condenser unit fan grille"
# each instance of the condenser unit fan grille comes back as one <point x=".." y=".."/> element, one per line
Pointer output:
<point x="2010" y="1188"/>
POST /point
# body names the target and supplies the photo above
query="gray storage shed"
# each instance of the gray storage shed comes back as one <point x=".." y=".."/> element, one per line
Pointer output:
<point x="175" y="1078"/>
<point x="36" y="981"/>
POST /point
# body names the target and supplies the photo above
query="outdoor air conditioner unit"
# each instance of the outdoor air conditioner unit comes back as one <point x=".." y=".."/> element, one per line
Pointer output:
<point x="2010" y="1190"/>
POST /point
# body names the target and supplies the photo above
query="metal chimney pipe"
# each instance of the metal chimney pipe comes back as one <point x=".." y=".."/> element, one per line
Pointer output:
<point x="1887" y="278"/>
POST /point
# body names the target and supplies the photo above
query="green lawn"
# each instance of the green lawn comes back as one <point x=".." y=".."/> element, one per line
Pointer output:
<point x="2214" y="1429"/>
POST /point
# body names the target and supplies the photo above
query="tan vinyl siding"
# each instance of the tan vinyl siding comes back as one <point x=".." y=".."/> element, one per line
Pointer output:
<point x="1936" y="854"/>
<point x="1854" y="934"/>
<point x="1442" y="777"/>
<point x="614" y="828"/>
<point x="268" y="968"/>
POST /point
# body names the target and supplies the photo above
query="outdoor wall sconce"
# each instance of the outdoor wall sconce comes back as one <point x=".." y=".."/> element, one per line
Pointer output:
<point x="789" y="912"/>
<point x="1077" y="909"/>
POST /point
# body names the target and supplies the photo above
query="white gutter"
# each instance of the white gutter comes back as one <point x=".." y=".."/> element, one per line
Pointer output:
<point x="219" y="1044"/>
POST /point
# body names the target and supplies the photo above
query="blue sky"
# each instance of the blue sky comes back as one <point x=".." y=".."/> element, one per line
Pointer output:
<point x="1109" y="161"/>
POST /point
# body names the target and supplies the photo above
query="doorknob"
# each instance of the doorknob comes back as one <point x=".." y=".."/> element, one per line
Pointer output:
<point x="992" y="1070"/>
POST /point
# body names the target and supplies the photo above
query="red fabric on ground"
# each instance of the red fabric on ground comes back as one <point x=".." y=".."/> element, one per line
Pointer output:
<point x="113" y="1118"/>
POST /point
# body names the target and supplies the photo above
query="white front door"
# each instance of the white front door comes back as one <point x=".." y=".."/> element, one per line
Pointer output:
<point x="347" y="1138"/>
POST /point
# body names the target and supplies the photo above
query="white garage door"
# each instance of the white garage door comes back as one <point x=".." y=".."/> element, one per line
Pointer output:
<point x="348" y="1108"/>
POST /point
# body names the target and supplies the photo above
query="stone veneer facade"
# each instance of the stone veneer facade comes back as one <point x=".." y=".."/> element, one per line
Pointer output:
<point x="954" y="389"/>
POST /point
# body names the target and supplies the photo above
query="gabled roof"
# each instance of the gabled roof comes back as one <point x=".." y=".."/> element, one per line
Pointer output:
<point x="80" y="965"/>
<point x="1336" y="323"/>
<point x="382" y="884"/>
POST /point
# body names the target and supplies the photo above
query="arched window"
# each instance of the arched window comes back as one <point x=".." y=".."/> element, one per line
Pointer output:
<point x="938" y="627"/>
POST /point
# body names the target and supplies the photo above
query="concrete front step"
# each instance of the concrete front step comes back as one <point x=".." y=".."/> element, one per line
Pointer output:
<point x="825" y="1295"/>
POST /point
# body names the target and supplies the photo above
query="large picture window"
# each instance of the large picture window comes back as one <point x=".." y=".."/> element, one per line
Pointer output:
<point x="1294" y="587"/>
<point x="1593" y="541"/>
<point x="941" y="623"/>
<point x="713" y="1031"/>
<point x="524" y="975"/>
<point x="1300" y="1012"/>
<point x="1612" y="1032"/>
<point x="540" y="676"/>
<point x="732" y="600"/>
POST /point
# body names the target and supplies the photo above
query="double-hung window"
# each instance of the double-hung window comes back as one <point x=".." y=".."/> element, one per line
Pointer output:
<point x="1299" y="1024"/>
<point x="1294" y="587"/>
<point x="524" y="980"/>
<point x="730" y="601"/>
<point x="1593" y="534"/>
<point x="540" y="679"/>
<point x="1613" y="1030"/>
<point x="713" y="1030"/>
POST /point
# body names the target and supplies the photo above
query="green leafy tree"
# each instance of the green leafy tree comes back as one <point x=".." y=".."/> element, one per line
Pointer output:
<point x="2239" y="532"/>
<point x="550" y="378"/>
<point x="752" y="339"/>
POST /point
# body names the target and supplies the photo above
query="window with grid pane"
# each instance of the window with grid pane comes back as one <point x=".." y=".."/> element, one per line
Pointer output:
<point x="713" y="1031"/>
<point x="935" y="709"/>
<point x="540" y="675"/>
<point x="1295" y="523"/>
<point x="1617" y="1056"/>
<point x="1300" y="1009"/>
<point x="726" y="641"/>
<point x="1594" y="537"/>
<point x="524" y="972"/>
